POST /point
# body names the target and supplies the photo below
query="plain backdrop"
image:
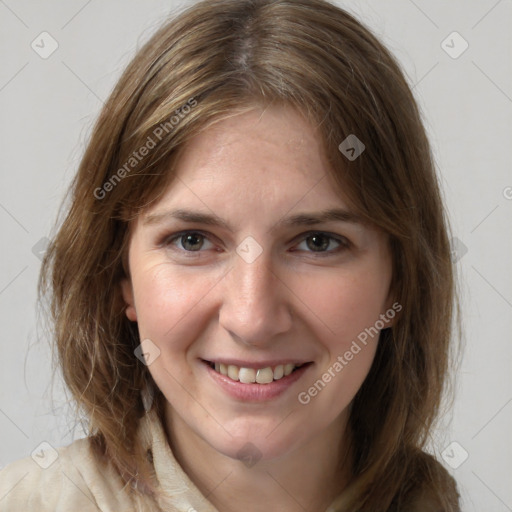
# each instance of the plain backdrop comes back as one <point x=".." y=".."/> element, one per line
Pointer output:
<point x="47" y="109"/>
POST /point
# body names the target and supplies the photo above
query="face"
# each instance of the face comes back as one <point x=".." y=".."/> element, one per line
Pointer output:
<point x="235" y="270"/>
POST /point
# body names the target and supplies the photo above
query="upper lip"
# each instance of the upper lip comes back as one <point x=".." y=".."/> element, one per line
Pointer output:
<point x="257" y="364"/>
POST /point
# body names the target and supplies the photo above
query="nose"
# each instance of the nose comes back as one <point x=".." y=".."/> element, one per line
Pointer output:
<point x="255" y="304"/>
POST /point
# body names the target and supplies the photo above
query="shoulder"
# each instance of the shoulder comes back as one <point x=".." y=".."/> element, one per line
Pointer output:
<point x="430" y="488"/>
<point x="70" y="478"/>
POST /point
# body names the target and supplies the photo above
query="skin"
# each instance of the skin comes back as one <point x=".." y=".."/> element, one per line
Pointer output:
<point x="291" y="302"/>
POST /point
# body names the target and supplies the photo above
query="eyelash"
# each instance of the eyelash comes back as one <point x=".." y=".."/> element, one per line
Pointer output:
<point x="342" y="241"/>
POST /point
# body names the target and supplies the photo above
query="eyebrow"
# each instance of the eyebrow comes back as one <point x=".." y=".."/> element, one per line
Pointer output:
<point x="300" y="219"/>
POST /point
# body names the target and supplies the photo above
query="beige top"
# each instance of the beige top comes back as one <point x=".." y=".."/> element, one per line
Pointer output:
<point x="76" y="482"/>
<point x="72" y="480"/>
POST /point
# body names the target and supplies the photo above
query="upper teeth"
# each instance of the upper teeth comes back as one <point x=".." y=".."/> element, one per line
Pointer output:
<point x="252" y="375"/>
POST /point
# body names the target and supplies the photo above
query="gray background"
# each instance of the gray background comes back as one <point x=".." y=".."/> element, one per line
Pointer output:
<point x="48" y="107"/>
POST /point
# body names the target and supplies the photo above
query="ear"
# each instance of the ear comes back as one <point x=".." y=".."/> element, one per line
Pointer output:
<point x="127" y="292"/>
<point x="393" y="308"/>
<point x="392" y="312"/>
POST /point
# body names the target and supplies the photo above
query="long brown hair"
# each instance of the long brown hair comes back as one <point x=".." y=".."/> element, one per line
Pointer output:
<point x="218" y="58"/>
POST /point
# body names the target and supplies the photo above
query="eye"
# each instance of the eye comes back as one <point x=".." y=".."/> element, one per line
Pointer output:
<point x="316" y="242"/>
<point x="189" y="241"/>
<point x="323" y="243"/>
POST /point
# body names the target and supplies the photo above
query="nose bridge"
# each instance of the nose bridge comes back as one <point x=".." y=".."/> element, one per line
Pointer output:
<point x="254" y="305"/>
<point x="253" y="281"/>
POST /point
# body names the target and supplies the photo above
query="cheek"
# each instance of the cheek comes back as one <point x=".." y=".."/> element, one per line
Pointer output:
<point x="346" y="303"/>
<point x="349" y="306"/>
<point x="167" y="302"/>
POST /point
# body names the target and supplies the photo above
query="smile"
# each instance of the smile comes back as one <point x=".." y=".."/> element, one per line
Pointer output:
<point x="256" y="382"/>
<point x="245" y="375"/>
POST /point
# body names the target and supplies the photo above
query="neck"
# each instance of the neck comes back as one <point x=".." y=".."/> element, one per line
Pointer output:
<point x="306" y="479"/>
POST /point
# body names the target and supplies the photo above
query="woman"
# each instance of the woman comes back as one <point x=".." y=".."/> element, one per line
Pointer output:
<point x="225" y="358"/>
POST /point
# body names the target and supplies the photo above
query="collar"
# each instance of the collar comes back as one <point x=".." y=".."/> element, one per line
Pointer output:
<point x="176" y="490"/>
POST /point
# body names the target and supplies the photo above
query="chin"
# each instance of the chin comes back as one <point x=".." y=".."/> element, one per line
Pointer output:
<point x="257" y="441"/>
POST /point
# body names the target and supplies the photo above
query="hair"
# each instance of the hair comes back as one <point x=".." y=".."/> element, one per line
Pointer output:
<point x="216" y="59"/>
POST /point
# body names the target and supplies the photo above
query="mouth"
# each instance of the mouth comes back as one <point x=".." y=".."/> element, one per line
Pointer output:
<point x="254" y="375"/>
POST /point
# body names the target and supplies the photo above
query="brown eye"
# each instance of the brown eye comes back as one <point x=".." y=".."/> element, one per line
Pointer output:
<point x="319" y="242"/>
<point x="192" y="241"/>
<point x="323" y="244"/>
<point x="187" y="241"/>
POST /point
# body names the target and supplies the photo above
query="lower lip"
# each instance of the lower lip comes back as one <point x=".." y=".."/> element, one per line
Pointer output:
<point x="256" y="392"/>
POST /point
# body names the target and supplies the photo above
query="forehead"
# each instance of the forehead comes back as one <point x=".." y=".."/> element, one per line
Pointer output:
<point x="278" y="135"/>
<point x="259" y="160"/>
